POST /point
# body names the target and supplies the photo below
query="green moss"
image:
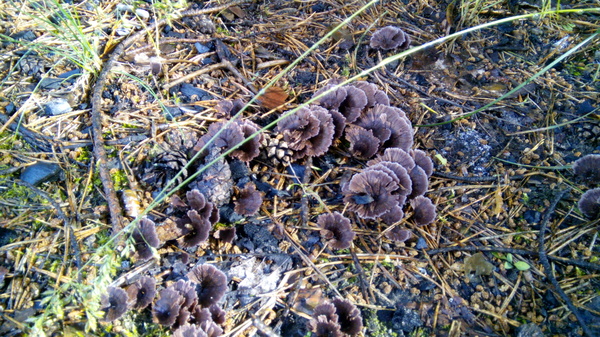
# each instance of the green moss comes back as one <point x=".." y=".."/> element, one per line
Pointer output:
<point x="376" y="327"/>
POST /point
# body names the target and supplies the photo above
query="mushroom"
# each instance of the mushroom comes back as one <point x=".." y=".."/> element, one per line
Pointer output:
<point x="420" y="181"/>
<point x="370" y="193"/>
<point x="334" y="99"/>
<point x="395" y="155"/>
<point x="389" y="37"/>
<point x="404" y="181"/>
<point x="374" y="95"/>
<point x="422" y="159"/>
<point x="424" y="210"/>
<point x="321" y="327"/>
<point x="189" y="330"/>
<point x="309" y="132"/>
<point x="114" y="303"/>
<point x="349" y="316"/>
<point x="225" y="234"/>
<point x="217" y="314"/>
<point x="166" y="309"/>
<point x="251" y="148"/>
<point x="142" y="292"/>
<point x="230" y="135"/>
<point x="363" y="144"/>
<point x="393" y="215"/>
<point x="398" y="234"/>
<point x="199" y="228"/>
<point x="248" y="201"/>
<point x="589" y="204"/>
<point x="377" y="123"/>
<point x="588" y="167"/>
<point x="336" y="228"/>
<point x="353" y="104"/>
<point x="211" y="284"/>
<point x="402" y="133"/>
<point x="145" y="239"/>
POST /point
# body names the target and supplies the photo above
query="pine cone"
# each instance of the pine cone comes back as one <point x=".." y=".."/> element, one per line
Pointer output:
<point x="277" y="150"/>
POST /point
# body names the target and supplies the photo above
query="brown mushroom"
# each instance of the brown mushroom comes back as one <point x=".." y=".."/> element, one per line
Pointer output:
<point x="348" y="316"/>
<point x="114" y="304"/>
<point x="589" y="204"/>
<point x="369" y="194"/>
<point x="211" y="284"/>
<point x="424" y="210"/>
<point x="248" y="201"/>
<point x="166" y="309"/>
<point x="363" y="144"/>
<point x="142" y="292"/>
<point x="588" y="167"/>
<point x="336" y="228"/>
<point x="145" y="239"/>
<point x="389" y="37"/>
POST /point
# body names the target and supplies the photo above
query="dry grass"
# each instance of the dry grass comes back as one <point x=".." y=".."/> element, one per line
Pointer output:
<point x="58" y="255"/>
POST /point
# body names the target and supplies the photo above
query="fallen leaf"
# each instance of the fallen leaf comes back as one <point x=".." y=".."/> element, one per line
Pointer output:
<point x="272" y="98"/>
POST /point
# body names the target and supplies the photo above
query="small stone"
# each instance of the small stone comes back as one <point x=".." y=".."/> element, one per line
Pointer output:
<point x="40" y="172"/>
<point x="57" y="107"/>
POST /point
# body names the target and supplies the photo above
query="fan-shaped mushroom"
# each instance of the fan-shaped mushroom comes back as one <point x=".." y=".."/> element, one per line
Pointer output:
<point x="352" y="106"/>
<point x="424" y="210"/>
<point x="395" y="155"/>
<point x="370" y="193"/>
<point x="588" y="167"/>
<point x="389" y="37"/>
<point x="114" y="303"/>
<point x="166" y="309"/>
<point x="589" y="204"/>
<point x="336" y="228"/>
<point x="349" y="316"/>
<point x="189" y="330"/>
<point x="363" y="144"/>
<point x="398" y="234"/>
<point x="251" y="148"/>
<point x="211" y="284"/>
<point x="142" y="292"/>
<point x="248" y="201"/>
<point x="145" y="239"/>
<point x="422" y="159"/>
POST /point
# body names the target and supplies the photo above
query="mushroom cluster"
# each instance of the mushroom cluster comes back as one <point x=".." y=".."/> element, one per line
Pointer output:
<point x="187" y="306"/>
<point x="388" y="183"/>
<point x="336" y="318"/>
<point x="198" y="219"/>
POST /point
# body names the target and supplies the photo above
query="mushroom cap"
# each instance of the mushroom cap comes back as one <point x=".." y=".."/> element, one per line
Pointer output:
<point x="200" y="228"/>
<point x="225" y="234"/>
<point x="588" y="167"/>
<point x="404" y="181"/>
<point x="350" y="319"/>
<point x="320" y="143"/>
<point x="402" y="133"/>
<point x="211" y="284"/>
<point x="398" y="234"/>
<point x="218" y="315"/>
<point x="230" y="136"/>
<point x="297" y="128"/>
<point x="248" y="201"/>
<point x="187" y="289"/>
<point x="334" y="99"/>
<point x="393" y="215"/>
<point x="374" y="95"/>
<point x="145" y="238"/>
<point x="327" y="310"/>
<point x="589" y="204"/>
<point x="114" y="303"/>
<point x="142" y="292"/>
<point x="321" y="327"/>
<point x="336" y="228"/>
<point x="189" y="330"/>
<point x="363" y="144"/>
<point x="420" y="182"/>
<point x="376" y="123"/>
<point x="352" y="106"/>
<point x="166" y="309"/>
<point x="424" y="210"/>
<point x="251" y="148"/>
<point x="370" y="193"/>
<point x="389" y="37"/>
<point x="422" y="159"/>
<point x="339" y="123"/>
<point x="395" y="155"/>
<point x="211" y="329"/>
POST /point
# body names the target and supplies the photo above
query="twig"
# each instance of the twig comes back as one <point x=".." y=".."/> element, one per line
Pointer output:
<point x="476" y="179"/>
<point x="96" y="117"/>
<point x="548" y="269"/>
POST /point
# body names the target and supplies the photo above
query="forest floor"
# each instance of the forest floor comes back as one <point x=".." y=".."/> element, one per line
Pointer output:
<point x="501" y="174"/>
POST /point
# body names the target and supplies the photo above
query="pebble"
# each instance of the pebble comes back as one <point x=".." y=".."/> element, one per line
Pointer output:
<point x="40" y="172"/>
<point x="57" y="107"/>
